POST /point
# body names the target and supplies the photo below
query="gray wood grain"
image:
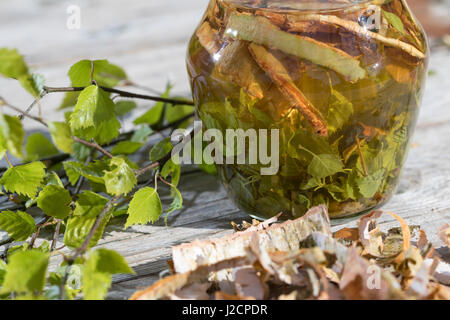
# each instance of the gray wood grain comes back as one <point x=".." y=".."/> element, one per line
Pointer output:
<point x="148" y="38"/>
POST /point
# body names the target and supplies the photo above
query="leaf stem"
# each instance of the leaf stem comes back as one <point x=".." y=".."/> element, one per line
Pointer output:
<point x="94" y="145"/>
<point x="56" y="235"/>
<point x="124" y="94"/>
<point x="23" y="113"/>
<point x="7" y="160"/>
<point x="361" y="156"/>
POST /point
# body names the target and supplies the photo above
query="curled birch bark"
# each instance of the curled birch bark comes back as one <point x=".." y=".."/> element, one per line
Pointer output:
<point x="279" y="75"/>
<point x="354" y="27"/>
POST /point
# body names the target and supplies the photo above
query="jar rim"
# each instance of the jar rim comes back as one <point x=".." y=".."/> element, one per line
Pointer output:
<point x="298" y="5"/>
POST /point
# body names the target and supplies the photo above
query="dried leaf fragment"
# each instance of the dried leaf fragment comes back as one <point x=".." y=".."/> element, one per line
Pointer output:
<point x="357" y="282"/>
<point x="248" y="283"/>
<point x="370" y="236"/>
<point x="170" y="285"/>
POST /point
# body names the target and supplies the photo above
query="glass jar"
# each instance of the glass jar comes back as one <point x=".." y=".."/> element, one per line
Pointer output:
<point x="341" y="82"/>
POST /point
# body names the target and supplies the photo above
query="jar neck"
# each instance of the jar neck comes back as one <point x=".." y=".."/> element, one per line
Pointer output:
<point x="298" y="5"/>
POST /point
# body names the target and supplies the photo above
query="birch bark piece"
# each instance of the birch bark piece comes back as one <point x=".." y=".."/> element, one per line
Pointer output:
<point x="280" y="237"/>
<point x="261" y="31"/>
<point x="279" y="75"/>
<point x="208" y="38"/>
<point x="234" y="61"/>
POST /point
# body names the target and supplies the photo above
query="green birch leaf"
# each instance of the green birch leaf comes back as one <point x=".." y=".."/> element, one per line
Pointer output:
<point x="151" y="117"/>
<point x="99" y="267"/>
<point x="89" y="204"/>
<point x="176" y="113"/>
<point x="160" y="150"/>
<point x="154" y="115"/>
<point x="325" y="165"/>
<point x="11" y="135"/>
<point x="339" y="111"/>
<point x="93" y="107"/>
<point x="61" y="136"/>
<point x="395" y="21"/>
<point x="125" y="107"/>
<point x="312" y="183"/>
<point x="177" y="203"/>
<point x="126" y="147"/>
<point x="94" y="116"/>
<point x="105" y="74"/>
<point x="208" y="168"/>
<point x="24" y="179"/>
<point x="141" y="135"/>
<point x="173" y="170"/>
<point x="38" y="147"/>
<point x="52" y="178"/>
<point x="144" y="208"/>
<point x="368" y="186"/>
<point x="261" y="31"/>
<point x="73" y="171"/>
<point x="78" y="228"/>
<point x="12" y="64"/>
<point x="2" y="272"/>
<point x="70" y="100"/>
<point x="55" y="201"/>
<point x="104" y="133"/>
<point x="33" y="83"/>
<point x="94" y="172"/>
<point x="26" y="272"/>
<point x="120" y="179"/>
<point x="19" y="225"/>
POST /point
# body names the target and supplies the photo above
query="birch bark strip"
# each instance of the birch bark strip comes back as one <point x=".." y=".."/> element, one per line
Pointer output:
<point x="263" y="32"/>
<point x="280" y="237"/>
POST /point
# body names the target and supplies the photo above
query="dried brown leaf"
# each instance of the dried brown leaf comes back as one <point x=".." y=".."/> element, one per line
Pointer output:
<point x="170" y="285"/>
<point x="248" y="283"/>
<point x="357" y="283"/>
<point x="348" y="234"/>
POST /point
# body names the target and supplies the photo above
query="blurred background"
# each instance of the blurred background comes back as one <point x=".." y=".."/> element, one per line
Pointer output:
<point x="146" y="37"/>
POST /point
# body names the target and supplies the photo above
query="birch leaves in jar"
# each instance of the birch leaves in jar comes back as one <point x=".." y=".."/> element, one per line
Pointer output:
<point x="342" y="81"/>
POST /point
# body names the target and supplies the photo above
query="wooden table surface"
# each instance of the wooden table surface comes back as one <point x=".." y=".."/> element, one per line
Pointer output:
<point x="148" y="39"/>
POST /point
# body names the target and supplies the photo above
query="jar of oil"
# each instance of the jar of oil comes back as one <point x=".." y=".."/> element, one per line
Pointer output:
<point x="341" y="81"/>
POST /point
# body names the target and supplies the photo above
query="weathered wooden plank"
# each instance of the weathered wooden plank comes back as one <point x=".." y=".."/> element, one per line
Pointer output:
<point x="148" y="38"/>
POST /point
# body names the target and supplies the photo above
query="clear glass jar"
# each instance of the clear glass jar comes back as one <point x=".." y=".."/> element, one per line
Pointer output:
<point x="342" y="81"/>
